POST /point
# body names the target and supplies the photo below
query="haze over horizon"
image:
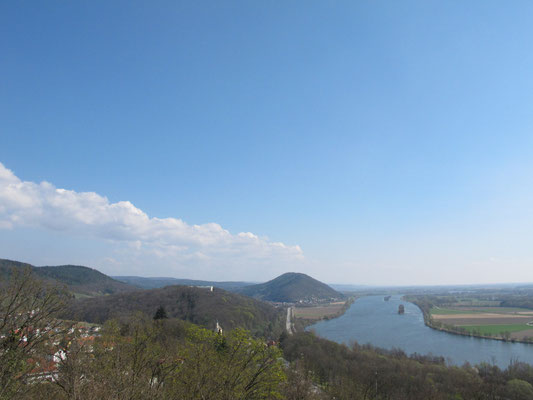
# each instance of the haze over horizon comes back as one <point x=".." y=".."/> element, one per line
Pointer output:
<point x="379" y="143"/>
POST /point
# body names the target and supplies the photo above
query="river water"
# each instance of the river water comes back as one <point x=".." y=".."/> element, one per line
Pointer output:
<point x="372" y="320"/>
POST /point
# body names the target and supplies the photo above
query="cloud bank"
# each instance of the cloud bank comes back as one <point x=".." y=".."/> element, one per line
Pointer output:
<point x="88" y="214"/>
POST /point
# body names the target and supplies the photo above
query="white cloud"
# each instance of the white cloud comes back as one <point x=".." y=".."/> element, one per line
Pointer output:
<point x="43" y="206"/>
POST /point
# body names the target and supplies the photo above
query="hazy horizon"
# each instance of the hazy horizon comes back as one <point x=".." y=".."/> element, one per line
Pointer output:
<point x="375" y="143"/>
<point x="337" y="284"/>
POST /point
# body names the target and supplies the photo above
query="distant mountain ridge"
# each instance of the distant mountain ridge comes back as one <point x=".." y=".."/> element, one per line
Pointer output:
<point x="79" y="280"/>
<point x="159" y="282"/>
<point x="84" y="281"/>
<point x="292" y="287"/>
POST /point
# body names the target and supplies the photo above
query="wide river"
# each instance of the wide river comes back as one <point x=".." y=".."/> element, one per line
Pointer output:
<point x="373" y="320"/>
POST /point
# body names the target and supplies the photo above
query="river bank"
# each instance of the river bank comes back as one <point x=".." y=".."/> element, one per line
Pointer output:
<point x="306" y="316"/>
<point x="430" y="322"/>
<point x="372" y="320"/>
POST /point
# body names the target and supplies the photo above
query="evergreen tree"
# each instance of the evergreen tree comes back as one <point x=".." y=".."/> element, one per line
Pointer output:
<point x="160" y="313"/>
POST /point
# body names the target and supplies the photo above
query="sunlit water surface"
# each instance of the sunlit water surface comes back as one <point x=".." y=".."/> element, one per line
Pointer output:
<point x="372" y="320"/>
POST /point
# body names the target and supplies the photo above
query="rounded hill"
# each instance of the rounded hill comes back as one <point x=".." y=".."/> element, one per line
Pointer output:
<point x="292" y="287"/>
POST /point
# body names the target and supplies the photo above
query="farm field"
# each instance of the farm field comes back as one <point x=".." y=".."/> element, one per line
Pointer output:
<point x="495" y="329"/>
<point x="319" y="312"/>
<point x="479" y="310"/>
<point x="500" y="322"/>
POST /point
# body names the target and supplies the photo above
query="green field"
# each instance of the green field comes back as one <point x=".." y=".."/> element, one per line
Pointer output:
<point x="450" y="311"/>
<point x="477" y="310"/>
<point x="496" y="329"/>
<point x="501" y="310"/>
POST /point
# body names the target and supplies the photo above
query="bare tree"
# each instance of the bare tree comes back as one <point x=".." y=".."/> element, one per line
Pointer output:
<point x="28" y="326"/>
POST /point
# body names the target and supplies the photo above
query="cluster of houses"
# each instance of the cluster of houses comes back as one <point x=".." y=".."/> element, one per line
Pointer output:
<point x="47" y="367"/>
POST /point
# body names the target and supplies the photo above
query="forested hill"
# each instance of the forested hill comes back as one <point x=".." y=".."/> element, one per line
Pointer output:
<point x="197" y="305"/>
<point x="153" y="283"/>
<point x="79" y="280"/>
<point x="292" y="287"/>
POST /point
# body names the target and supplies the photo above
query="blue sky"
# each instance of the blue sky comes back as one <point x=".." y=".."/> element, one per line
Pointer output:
<point x="381" y="142"/>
